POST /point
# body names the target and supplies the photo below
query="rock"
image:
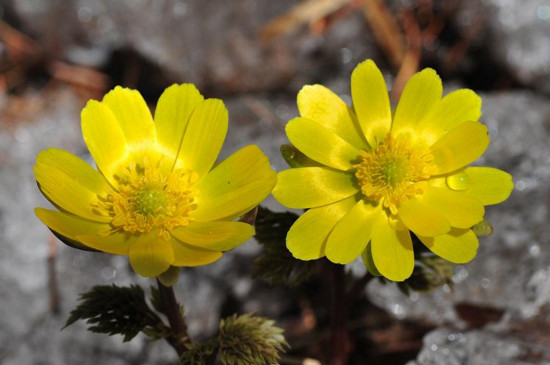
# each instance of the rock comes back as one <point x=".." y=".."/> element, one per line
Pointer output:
<point x="446" y="346"/>
<point x="207" y="43"/>
<point x="516" y="35"/>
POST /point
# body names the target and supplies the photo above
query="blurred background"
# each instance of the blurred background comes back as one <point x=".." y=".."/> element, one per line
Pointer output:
<point x="256" y="55"/>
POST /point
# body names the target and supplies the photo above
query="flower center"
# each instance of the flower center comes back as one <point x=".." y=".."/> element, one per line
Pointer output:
<point x="393" y="172"/>
<point x="148" y="199"/>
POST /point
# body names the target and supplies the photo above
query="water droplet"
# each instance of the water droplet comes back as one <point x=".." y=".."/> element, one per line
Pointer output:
<point x="346" y="55"/>
<point x="534" y="250"/>
<point x="22" y="135"/>
<point x="459" y="181"/>
<point x="180" y="8"/>
<point x="521" y="185"/>
<point x="85" y="14"/>
<point x="460" y="276"/>
<point x="543" y="12"/>
<point x="108" y="273"/>
<point x="485" y="283"/>
<point x="398" y="311"/>
<point x="433" y="347"/>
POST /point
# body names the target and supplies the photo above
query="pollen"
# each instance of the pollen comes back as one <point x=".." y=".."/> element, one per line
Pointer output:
<point x="393" y="172"/>
<point x="148" y="199"/>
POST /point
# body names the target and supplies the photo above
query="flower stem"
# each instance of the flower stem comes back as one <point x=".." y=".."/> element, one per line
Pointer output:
<point x="342" y="301"/>
<point x="174" y="312"/>
<point x="339" y="339"/>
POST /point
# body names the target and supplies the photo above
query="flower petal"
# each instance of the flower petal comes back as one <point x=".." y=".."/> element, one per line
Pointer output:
<point x="307" y="237"/>
<point x="422" y="219"/>
<point x="488" y="185"/>
<point x="236" y="185"/>
<point x="392" y="250"/>
<point x="104" y="138"/>
<point x="320" y="104"/>
<point x="151" y="255"/>
<point x="352" y="233"/>
<point x="371" y="101"/>
<point x="172" y="115"/>
<point x="460" y="147"/>
<point x="455" y="108"/>
<point x="70" y="183"/>
<point x="310" y="187"/>
<point x="186" y="255"/>
<point x="420" y="96"/>
<point x="460" y="210"/>
<point x="216" y="236"/>
<point x="75" y="228"/>
<point x="132" y="115"/>
<point x="204" y="136"/>
<point x="458" y="246"/>
<point x="321" y="144"/>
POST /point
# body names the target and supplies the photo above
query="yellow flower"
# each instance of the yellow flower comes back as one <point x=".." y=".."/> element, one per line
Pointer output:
<point x="375" y="176"/>
<point x="156" y="197"/>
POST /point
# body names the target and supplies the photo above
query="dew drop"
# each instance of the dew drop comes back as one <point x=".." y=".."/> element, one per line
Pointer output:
<point x="459" y="181"/>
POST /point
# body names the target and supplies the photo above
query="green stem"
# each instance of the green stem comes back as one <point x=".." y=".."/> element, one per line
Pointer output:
<point x="339" y="339"/>
<point x="174" y="312"/>
<point x="342" y="301"/>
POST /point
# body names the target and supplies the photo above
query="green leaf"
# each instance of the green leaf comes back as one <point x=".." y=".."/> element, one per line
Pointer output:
<point x="248" y="339"/>
<point x="430" y="271"/>
<point x="199" y="353"/>
<point x="483" y="229"/>
<point x="117" y="310"/>
<point x="277" y="264"/>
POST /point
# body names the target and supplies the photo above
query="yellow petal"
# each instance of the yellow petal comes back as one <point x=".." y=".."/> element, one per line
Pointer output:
<point x="216" y="236"/>
<point x="204" y="136"/>
<point x="186" y="255"/>
<point x="310" y="187"/>
<point x="321" y="144"/>
<point x="422" y="219"/>
<point x="70" y="183"/>
<point x="151" y="255"/>
<point x="236" y="185"/>
<point x="421" y="94"/>
<point x="392" y="250"/>
<point x="458" y="246"/>
<point x="173" y="111"/>
<point x="104" y="138"/>
<point x="318" y="103"/>
<point x="352" y="233"/>
<point x="460" y="210"/>
<point x="460" y="147"/>
<point x="455" y="108"/>
<point x="75" y="228"/>
<point x="488" y="185"/>
<point x="307" y="237"/>
<point x="133" y="116"/>
<point x="371" y="102"/>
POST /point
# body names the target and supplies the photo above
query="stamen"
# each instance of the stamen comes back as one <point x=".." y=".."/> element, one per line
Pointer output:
<point x="393" y="172"/>
<point x="147" y="199"/>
